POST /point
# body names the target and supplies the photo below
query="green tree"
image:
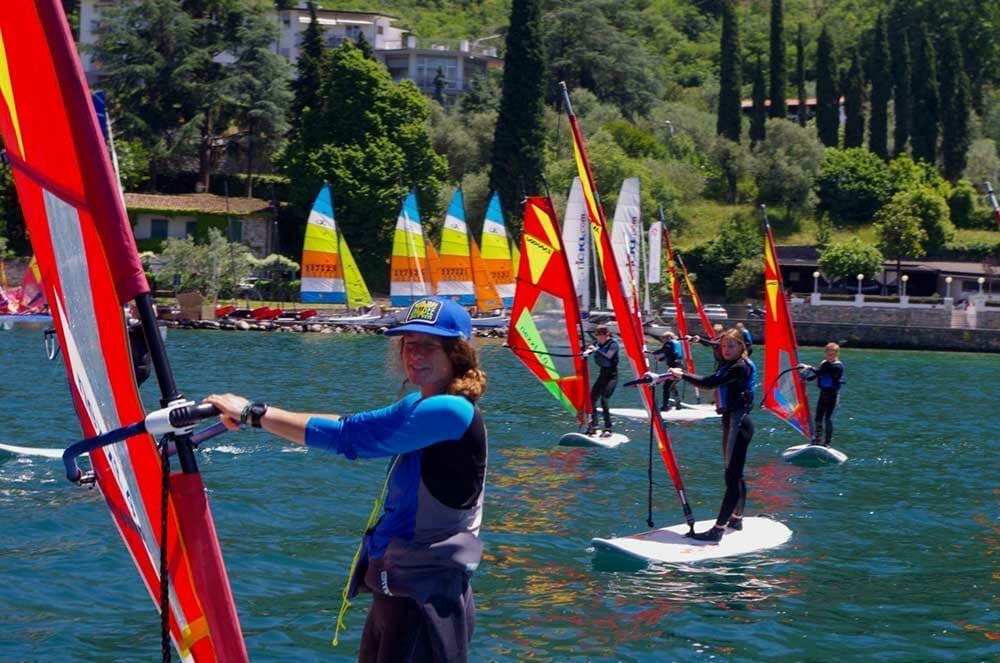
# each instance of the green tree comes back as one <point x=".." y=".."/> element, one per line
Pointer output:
<point x="930" y="207"/>
<point x="731" y="161"/>
<point x="758" y="116"/>
<point x="800" y="75"/>
<point x="518" y="143"/>
<point x="899" y="233"/>
<point x="369" y="139"/>
<point x="777" y="62"/>
<point x="852" y="185"/>
<point x="730" y="84"/>
<point x="827" y="98"/>
<point x="312" y="63"/>
<point x="902" y="105"/>
<point x="481" y="95"/>
<point x="956" y="108"/>
<point x="364" y="46"/>
<point x="881" y="78"/>
<point x="844" y="260"/>
<point x="854" y="128"/>
<point x="746" y="281"/>
<point x="786" y="165"/>
<point x="439" y="84"/>
<point x="925" y="98"/>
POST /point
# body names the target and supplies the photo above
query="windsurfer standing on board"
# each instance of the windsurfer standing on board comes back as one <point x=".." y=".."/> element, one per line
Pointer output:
<point x="418" y="556"/>
<point x="671" y="352"/>
<point x="829" y="376"/>
<point x="605" y="353"/>
<point x="734" y="378"/>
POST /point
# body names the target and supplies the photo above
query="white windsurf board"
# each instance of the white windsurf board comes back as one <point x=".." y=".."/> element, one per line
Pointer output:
<point x="813" y="454"/>
<point x="32" y="451"/>
<point x="684" y="415"/>
<point x="669" y="545"/>
<point x="583" y="440"/>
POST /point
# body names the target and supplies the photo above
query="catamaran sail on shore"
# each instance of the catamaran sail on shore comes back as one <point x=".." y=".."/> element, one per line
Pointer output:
<point x="496" y="252"/>
<point x="408" y="276"/>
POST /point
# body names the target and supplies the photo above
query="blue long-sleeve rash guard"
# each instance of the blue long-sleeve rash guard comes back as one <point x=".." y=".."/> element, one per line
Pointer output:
<point x="406" y="428"/>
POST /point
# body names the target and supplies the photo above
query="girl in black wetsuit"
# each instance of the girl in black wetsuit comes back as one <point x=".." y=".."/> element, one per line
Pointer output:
<point x="605" y="353"/>
<point x="829" y="376"/>
<point x="734" y="378"/>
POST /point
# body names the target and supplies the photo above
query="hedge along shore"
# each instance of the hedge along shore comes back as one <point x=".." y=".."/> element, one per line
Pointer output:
<point x="305" y="326"/>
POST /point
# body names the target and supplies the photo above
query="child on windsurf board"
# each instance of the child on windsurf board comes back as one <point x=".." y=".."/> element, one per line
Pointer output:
<point x="829" y="376"/>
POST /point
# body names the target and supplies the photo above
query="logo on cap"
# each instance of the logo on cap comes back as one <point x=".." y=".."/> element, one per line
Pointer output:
<point x="425" y="310"/>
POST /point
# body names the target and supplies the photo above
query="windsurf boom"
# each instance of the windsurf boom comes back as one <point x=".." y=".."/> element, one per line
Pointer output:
<point x="90" y="268"/>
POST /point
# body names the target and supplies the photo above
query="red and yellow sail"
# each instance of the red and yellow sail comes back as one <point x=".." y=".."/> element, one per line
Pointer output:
<point x="627" y="316"/>
<point x="675" y="292"/>
<point x="784" y="390"/>
<point x="696" y="300"/>
<point x="545" y="324"/>
<point x="89" y="268"/>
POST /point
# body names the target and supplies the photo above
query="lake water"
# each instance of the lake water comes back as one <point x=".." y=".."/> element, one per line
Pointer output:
<point x="895" y="554"/>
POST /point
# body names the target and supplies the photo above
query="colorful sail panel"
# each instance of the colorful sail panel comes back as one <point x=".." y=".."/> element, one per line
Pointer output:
<point x="496" y="251"/>
<point x="784" y="389"/>
<point x="487" y="297"/>
<point x="545" y="326"/>
<point x="322" y="269"/>
<point x="408" y="266"/>
<point x="675" y="292"/>
<point x="456" y="264"/>
<point x="629" y="325"/>
<point x="433" y="265"/>
<point x="357" y="290"/>
<point x="90" y="268"/>
<point x="576" y="240"/>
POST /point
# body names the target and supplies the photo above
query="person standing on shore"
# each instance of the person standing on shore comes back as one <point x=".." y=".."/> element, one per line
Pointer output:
<point x="419" y="551"/>
<point x="734" y="379"/>
<point x="829" y="377"/>
<point x="605" y="353"/>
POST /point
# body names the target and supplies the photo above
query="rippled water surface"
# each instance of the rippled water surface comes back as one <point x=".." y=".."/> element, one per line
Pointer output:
<point x="894" y="555"/>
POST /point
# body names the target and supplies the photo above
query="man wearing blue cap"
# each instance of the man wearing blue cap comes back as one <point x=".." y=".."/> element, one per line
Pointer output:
<point x="419" y="551"/>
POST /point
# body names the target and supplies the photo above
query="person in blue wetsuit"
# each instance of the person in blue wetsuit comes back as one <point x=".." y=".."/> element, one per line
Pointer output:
<point x="418" y="556"/>
<point x="829" y="377"/>
<point x="605" y="353"/>
<point x="672" y="353"/>
<point x="734" y="378"/>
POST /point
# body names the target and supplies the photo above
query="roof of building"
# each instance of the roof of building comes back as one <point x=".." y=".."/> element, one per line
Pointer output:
<point x="197" y="202"/>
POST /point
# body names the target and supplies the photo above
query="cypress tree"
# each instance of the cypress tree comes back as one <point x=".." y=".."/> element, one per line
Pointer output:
<point x="519" y="138"/>
<point x="777" y="62"/>
<point x="758" y="116"/>
<point x="923" y="139"/>
<point x="956" y="100"/>
<point x="312" y="63"/>
<point x="902" y="106"/>
<point x="827" y="99"/>
<point x="365" y="46"/>
<point x="881" y="75"/>
<point x="854" y="101"/>
<point x="800" y="74"/>
<point x="730" y="119"/>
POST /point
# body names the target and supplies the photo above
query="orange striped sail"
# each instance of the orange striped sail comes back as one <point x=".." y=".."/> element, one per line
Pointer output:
<point x="545" y="324"/>
<point x="456" y="263"/>
<point x="90" y="268"/>
<point x="496" y="251"/>
<point x="408" y="278"/>
<point x="322" y="269"/>
<point x="487" y="297"/>
<point x="433" y="265"/>
<point x="784" y="390"/>
<point x="627" y="316"/>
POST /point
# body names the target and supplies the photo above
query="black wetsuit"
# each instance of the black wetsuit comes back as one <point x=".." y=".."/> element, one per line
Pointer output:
<point x="829" y="376"/>
<point x="734" y="380"/>
<point x="606" y="358"/>
<point x="672" y="353"/>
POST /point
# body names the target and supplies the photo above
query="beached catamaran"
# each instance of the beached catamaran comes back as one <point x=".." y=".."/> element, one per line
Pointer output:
<point x="455" y="261"/>
<point x="329" y="273"/>
<point x="90" y="269"/>
<point x="408" y="275"/>
<point x="496" y="252"/>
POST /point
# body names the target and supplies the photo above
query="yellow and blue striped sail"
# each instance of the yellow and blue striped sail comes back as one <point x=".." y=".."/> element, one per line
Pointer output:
<point x="408" y="276"/>
<point x="454" y="258"/>
<point x="496" y="252"/>
<point x="322" y="270"/>
<point x="357" y="290"/>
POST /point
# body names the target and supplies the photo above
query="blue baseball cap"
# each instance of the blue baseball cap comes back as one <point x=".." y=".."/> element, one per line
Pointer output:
<point x="437" y="316"/>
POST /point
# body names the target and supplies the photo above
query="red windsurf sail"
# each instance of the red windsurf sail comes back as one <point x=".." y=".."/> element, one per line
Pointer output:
<point x="545" y="325"/>
<point x="629" y="323"/>
<point x="784" y="390"/>
<point x="89" y="268"/>
<point x="675" y="292"/>
<point x="696" y="300"/>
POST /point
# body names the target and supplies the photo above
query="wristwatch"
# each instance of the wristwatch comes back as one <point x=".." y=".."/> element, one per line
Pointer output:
<point x="257" y="411"/>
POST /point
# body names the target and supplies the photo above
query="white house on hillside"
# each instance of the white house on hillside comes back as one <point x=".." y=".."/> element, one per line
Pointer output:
<point x="406" y="57"/>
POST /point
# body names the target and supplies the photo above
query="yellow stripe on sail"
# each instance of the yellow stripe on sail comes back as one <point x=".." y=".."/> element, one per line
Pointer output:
<point x="7" y="92"/>
<point x="354" y="283"/>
